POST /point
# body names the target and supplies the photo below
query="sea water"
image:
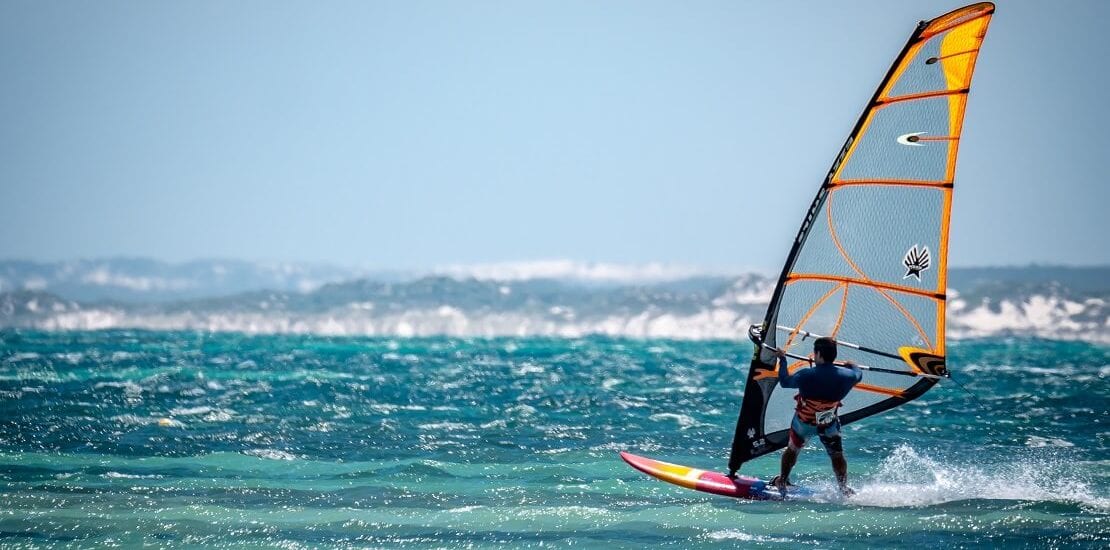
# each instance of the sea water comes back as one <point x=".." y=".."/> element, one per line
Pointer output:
<point x="169" y="439"/>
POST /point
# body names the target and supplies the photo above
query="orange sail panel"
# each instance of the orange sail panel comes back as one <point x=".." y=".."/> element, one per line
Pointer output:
<point x="869" y="265"/>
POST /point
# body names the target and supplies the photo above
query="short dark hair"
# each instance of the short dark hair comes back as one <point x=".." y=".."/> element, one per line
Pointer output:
<point x="826" y="347"/>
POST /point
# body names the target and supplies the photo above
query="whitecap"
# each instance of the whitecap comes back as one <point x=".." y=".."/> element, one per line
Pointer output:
<point x="463" y="509"/>
<point x="527" y="368"/>
<point x="127" y="386"/>
<point x="520" y="411"/>
<point x="1037" y="441"/>
<point x="118" y="475"/>
<point x="684" y="421"/>
<point x="219" y="415"/>
<point x="736" y="534"/>
<point x="271" y="454"/>
<point x="446" y="426"/>
<point x="190" y="411"/>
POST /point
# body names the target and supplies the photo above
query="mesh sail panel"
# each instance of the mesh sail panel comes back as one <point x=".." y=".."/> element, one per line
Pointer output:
<point x="869" y="265"/>
<point x="864" y="232"/>
<point x="903" y="142"/>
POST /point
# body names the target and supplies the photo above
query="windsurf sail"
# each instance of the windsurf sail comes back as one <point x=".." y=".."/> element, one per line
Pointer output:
<point x="869" y="265"/>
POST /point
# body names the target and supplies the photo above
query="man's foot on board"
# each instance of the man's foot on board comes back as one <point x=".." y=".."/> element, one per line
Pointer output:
<point x="780" y="483"/>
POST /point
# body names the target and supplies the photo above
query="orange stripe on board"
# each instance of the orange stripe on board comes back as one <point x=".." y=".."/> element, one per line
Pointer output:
<point x="863" y="282"/>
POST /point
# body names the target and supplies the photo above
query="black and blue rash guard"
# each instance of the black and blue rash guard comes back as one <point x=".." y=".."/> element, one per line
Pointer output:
<point x="824" y="381"/>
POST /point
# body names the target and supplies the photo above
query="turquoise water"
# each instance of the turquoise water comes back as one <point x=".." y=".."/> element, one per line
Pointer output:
<point x="123" y="438"/>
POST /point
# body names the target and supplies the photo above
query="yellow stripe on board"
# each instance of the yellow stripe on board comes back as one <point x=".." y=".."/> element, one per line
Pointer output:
<point x="671" y="469"/>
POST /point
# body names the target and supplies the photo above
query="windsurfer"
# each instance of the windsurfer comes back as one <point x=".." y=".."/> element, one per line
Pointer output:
<point x="820" y="389"/>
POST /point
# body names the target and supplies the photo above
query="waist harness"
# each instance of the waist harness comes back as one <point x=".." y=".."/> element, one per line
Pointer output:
<point x="818" y="412"/>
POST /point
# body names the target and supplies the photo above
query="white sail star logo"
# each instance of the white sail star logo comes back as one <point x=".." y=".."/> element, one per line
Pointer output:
<point x="911" y="139"/>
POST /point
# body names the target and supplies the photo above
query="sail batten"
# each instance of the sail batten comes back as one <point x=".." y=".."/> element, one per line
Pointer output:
<point x="862" y="282"/>
<point x="921" y="95"/>
<point x="869" y="264"/>
<point x="941" y="184"/>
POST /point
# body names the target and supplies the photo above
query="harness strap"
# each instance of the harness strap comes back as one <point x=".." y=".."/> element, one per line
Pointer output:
<point x="819" y="412"/>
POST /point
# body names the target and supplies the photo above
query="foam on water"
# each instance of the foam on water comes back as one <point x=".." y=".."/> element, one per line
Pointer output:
<point x="742" y="536"/>
<point x="270" y="454"/>
<point x="909" y="477"/>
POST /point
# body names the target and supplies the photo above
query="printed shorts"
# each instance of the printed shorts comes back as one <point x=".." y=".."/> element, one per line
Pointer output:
<point x="829" y="435"/>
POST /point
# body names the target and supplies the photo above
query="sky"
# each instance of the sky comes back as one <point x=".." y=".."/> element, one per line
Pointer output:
<point x="407" y="135"/>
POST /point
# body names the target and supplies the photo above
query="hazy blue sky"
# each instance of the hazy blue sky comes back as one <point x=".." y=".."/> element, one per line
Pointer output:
<point x="415" y="134"/>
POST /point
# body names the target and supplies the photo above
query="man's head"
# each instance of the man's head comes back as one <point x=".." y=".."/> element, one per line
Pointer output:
<point x="824" y="350"/>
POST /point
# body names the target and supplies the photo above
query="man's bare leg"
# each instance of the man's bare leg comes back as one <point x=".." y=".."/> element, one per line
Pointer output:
<point x="840" y="468"/>
<point x="789" y="459"/>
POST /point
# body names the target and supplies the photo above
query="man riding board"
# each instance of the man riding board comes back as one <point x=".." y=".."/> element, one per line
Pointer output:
<point x="820" y="389"/>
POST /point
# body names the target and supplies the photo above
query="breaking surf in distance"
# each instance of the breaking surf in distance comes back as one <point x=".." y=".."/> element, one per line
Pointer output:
<point x="554" y="298"/>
